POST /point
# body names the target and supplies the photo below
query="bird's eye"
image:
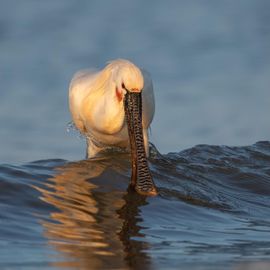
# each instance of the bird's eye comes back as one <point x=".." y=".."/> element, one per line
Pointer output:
<point x="123" y="86"/>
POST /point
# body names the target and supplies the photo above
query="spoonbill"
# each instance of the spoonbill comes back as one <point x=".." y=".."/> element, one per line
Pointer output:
<point x="114" y="107"/>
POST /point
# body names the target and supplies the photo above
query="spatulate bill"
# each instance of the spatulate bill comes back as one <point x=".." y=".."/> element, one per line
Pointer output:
<point x="141" y="177"/>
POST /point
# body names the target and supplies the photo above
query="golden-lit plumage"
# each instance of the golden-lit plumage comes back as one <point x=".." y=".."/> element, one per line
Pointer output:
<point x="96" y="104"/>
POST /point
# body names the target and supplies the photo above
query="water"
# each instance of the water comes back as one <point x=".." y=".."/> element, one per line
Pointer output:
<point x="210" y="64"/>
<point x="212" y="212"/>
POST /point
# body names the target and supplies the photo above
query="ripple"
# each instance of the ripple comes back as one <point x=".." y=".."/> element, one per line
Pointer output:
<point x="213" y="202"/>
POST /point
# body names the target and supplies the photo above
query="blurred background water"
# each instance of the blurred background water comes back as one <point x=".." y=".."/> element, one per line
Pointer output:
<point x="210" y="64"/>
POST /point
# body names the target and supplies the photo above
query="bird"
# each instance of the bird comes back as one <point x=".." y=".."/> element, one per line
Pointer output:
<point x="114" y="107"/>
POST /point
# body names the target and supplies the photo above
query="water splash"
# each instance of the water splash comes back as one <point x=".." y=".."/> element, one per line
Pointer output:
<point x="72" y="129"/>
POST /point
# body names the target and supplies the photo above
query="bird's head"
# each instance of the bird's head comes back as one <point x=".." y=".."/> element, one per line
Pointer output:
<point x="126" y="77"/>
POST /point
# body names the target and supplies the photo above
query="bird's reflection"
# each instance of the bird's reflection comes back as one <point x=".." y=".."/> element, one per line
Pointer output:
<point x="95" y="224"/>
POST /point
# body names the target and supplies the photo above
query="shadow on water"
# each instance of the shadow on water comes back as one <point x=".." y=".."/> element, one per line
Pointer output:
<point x="96" y="221"/>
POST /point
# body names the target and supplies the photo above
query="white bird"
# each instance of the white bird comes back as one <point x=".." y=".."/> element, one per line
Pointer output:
<point x="102" y="108"/>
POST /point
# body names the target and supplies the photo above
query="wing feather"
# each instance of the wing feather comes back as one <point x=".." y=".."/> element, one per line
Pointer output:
<point x="79" y="88"/>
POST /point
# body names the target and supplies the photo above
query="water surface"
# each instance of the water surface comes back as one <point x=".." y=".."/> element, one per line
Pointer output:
<point x="212" y="212"/>
<point x="210" y="64"/>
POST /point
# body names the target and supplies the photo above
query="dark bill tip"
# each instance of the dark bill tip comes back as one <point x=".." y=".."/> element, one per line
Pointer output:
<point x="147" y="192"/>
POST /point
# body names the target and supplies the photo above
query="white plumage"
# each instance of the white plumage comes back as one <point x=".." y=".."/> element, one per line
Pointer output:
<point x="96" y="104"/>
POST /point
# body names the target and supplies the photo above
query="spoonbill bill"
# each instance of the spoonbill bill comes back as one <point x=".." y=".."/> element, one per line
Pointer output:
<point x="114" y="107"/>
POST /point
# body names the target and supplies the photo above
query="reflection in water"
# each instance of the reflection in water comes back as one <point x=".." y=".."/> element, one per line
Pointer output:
<point x="129" y="213"/>
<point x="94" y="225"/>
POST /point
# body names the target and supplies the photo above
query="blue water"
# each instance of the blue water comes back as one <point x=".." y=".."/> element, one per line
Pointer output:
<point x="212" y="212"/>
<point x="210" y="64"/>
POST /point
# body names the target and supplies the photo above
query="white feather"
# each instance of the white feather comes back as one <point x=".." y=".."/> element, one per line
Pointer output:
<point x="98" y="112"/>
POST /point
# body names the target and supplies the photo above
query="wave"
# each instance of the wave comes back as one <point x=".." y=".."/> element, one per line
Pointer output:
<point x="213" y="202"/>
